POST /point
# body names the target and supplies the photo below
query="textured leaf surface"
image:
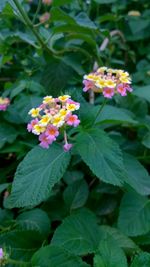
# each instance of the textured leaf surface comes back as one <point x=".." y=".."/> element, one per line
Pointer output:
<point x="79" y="233"/>
<point x="76" y="194"/>
<point x="142" y="260"/>
<point x="137" y="176"/>
<point x="102" y="155"/>
<point x="134" y="217"/>
<point x="36" y="175"/>
<point x="53" y="256"/>
<point x="109" y="255"/>
<point x="115" y="114"/>
<point x="35" y="219"/>
<point x="121" y="240"/>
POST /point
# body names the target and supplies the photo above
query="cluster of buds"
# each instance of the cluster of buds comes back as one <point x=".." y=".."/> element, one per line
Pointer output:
<point x="52" y="117"/>
<point x="45" y="17"/>
<point x="4" y="103"/>
<point x="108" y="82"/>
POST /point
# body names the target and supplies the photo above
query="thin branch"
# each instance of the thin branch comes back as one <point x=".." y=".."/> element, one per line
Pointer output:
<point x="30" y="25"/>
<point x="37" y="11"/>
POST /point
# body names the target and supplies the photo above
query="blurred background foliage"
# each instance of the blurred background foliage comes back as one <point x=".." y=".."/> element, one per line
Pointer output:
<point x="45" y="49"/>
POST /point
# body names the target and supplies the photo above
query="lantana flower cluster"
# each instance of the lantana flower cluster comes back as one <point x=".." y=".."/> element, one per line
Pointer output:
<point x="4" y="103"/>
<point x="52" y="117"/>
<point x="108" y="82"/>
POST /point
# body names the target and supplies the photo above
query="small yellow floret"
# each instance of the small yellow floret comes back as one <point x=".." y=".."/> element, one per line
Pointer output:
<point x="63" y="112"/>
<point x="91" y="77"/>
<point x="110" y="83"/>
<point x="58" y="121"/>
<point x="48" y="99"/>
<point x="45" y="120"/>
<point x="101" y="83"/>
<point x="34" y="112"/>
<point x="71" y="107"/>
<point x="125" y="80"/>
<point x="64" y="98"/>
<point x="38" y="129"/>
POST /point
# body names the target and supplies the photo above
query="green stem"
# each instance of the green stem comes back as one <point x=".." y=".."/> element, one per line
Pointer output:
<point x="37" y="11"/>
<point x="30" y="25"/>
<point x="99" y="111"/>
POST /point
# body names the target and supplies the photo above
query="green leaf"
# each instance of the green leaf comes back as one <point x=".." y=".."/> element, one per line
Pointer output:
<point x="54" y="256"/>
<point x="54" y="69"/>
<point x="81" y="19"/>
<point x="137" y="176"/>
<point x="122" y="241"/>
<point x="24" y="103"/>
<point x="76" y="194"/>
<point x="35" y="219"/>
<point x="7" y="134"/>
<point x="109" y="255"/>
<point x="111" y="114"/>
<point x="102" y="155"/>
<point x="134" y="215"/>
<point x="143" y="92"/>
<point x="141" y="260"/>
<point x="79" y="233"/>
<point x="36" y="175"/>
<point x="21" y="243"/>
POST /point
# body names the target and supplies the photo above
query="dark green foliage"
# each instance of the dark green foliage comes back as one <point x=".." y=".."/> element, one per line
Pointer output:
<point x="89" y="207"/>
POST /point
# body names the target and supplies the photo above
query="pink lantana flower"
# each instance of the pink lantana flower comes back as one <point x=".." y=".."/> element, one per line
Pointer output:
<point x="44" y="141"/>
<point x="108" y="92"/>
<point x="121" y="89"/>
<point x="87" y="85"/>
<point x="73" y="120"/>
<point x="51" y="132"/>
<point x="31" y="125"/>
<point x="67" y="147"/>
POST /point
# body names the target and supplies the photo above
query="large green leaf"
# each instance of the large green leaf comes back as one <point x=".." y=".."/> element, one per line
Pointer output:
<point x="7" y="134"/>
<point x="53" y="256"/>
<point x="35" y="219"/>
<point x="102" y="155"/>
<point x="137" y="176"/>
<point x="40" y="170"/>
<point x="122" y="241"/>
<point x="111" y="114"/>
<point x="109" y="255"/>
<point x="56" y="76"/>
<point x="81" y="19"/>
<point x="79" y="233"/>
<point x="141" y="260"/>
<point x="76" y="194"/>
<point x="134" y="216"/>
<point x="143" y="92"/>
